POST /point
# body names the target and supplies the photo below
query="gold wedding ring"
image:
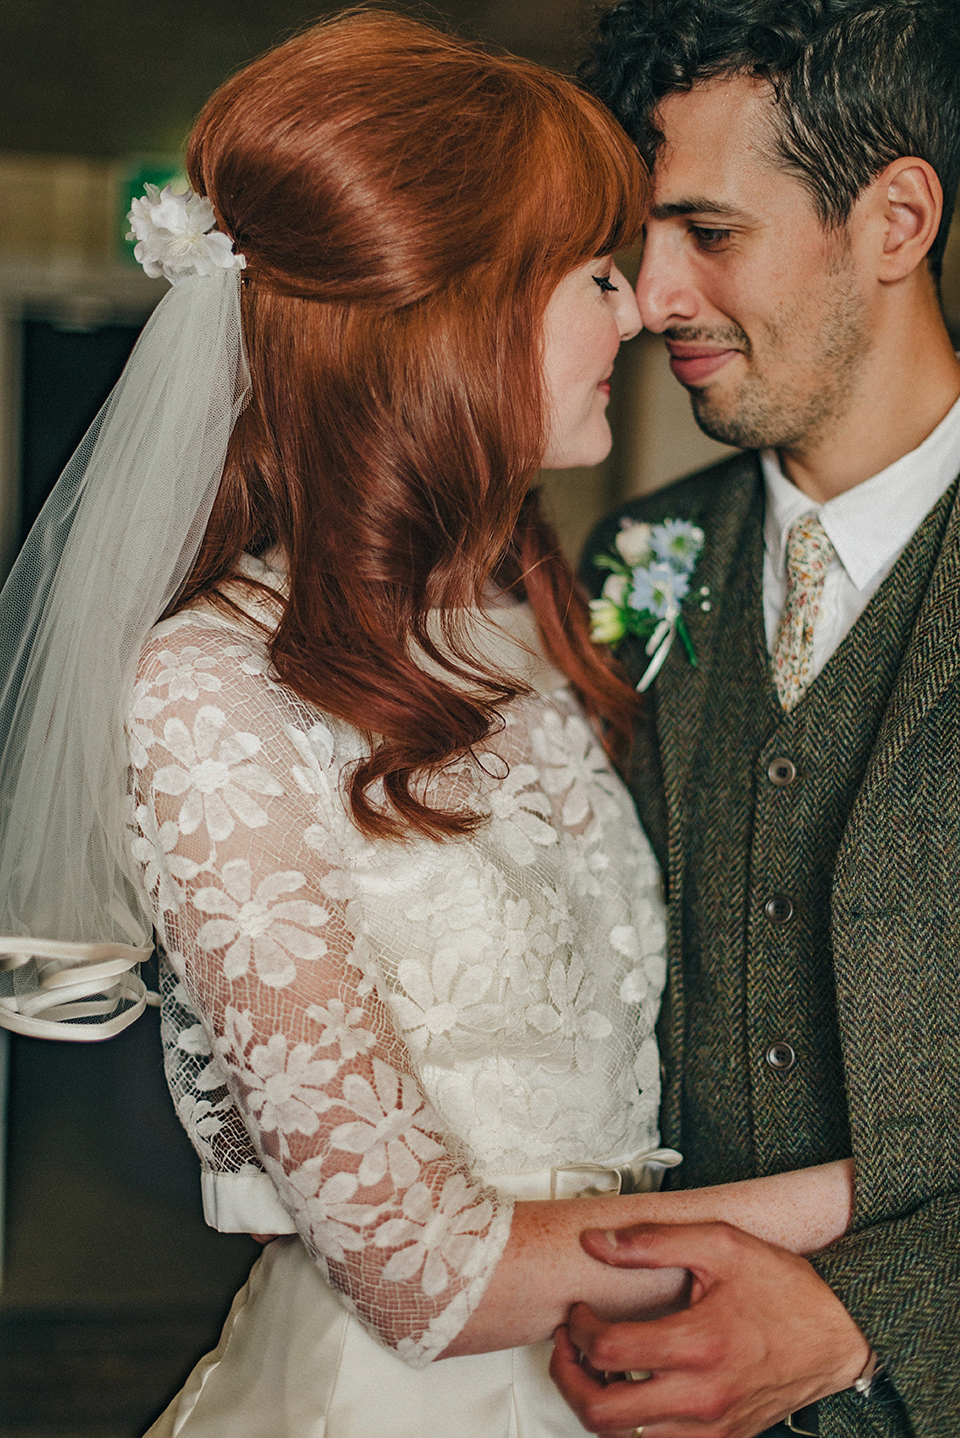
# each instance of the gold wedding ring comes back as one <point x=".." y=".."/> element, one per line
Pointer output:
<point x="638" y="1375"/>
<point x="637" y="1433"/>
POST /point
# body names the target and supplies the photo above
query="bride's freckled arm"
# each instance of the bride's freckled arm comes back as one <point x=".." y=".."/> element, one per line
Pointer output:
<point x="544" y="1269"/>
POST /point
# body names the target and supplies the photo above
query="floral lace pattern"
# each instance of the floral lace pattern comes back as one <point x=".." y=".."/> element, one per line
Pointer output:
<point x="809" y="552"/>
<point x="386" y="1027"/>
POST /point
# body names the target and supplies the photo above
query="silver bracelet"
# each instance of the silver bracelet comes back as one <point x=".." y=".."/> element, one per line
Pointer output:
<point x="864" y="1384"/>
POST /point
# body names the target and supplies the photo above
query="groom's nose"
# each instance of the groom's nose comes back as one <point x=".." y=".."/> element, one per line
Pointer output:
<point x="665" y="292"/>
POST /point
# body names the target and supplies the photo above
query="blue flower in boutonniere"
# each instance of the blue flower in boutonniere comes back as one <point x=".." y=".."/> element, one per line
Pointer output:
<point x="650" y="576"/>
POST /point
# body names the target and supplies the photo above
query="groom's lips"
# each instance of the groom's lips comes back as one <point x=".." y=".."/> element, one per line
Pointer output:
<point x="693" y="364"/>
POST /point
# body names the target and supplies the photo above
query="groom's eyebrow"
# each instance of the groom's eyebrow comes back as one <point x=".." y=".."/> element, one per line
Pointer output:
<point x="696" y="205"/>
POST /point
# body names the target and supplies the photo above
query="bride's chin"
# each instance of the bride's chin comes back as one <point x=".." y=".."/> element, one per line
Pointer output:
<point x="581" y="456"/>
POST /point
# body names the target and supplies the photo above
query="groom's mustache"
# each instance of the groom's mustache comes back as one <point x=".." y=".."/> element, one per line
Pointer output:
<point x="717" y="337"/>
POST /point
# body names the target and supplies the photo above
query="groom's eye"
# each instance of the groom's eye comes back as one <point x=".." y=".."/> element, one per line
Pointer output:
<point x="708" y="238"/>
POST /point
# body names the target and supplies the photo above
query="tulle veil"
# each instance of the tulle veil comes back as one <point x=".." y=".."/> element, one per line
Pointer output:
<point x="109" y="552"/>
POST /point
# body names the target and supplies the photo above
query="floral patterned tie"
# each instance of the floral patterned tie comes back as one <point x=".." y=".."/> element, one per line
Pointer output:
<point x="809" y="552"/>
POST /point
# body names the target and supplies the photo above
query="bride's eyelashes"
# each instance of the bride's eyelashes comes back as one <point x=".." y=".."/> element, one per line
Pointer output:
<point x="604" y="282"/>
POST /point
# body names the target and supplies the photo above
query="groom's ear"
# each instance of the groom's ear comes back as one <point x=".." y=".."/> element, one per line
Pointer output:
<point x="907" y="203"/>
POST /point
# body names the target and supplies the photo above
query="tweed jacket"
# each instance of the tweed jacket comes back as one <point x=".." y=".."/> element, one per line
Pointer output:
<point x="894" y="941"/>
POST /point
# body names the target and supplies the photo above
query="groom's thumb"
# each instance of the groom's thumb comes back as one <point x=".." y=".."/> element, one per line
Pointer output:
<point x="700" y="1247"/>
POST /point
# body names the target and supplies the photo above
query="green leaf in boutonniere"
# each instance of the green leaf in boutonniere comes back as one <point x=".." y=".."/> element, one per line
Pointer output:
<point x="649" y="580"/>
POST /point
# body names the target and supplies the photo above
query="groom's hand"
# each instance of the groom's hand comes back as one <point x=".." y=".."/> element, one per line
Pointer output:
<point x="763" y="1337"/>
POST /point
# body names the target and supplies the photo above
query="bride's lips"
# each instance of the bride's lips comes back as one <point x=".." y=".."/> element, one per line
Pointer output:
<point x="693" y="364"/>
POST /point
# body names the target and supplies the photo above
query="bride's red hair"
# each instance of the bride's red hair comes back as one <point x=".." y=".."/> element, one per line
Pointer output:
<point x="407" y="204"/>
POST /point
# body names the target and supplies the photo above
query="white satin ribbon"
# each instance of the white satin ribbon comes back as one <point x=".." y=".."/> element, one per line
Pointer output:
<point x="642" y="1173"/>
<point x="247" y="1202"/>
<point x="659" y="645"/>
<point x="71" y="981"/>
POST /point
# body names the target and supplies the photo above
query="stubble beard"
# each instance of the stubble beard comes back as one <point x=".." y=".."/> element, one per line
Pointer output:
<point x="799" y="410"/>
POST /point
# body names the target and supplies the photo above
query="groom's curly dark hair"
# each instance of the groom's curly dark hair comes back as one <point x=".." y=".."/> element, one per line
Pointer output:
<point x="856" y="83"/>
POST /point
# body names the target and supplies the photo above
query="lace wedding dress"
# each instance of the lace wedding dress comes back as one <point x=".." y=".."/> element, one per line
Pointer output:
<point x="377" y="1046"/>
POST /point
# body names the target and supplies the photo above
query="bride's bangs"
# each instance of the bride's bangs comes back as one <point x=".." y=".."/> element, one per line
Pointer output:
<point x="592" y="190"/>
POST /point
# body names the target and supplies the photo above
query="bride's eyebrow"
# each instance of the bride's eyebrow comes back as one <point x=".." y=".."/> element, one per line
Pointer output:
<point x="697" y="205"/>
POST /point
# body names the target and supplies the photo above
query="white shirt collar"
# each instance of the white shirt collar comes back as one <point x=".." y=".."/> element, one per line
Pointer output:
<point x="871" y="523"/>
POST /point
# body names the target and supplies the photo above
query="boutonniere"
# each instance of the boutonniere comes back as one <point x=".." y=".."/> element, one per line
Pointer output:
<point x="649" y="581"/>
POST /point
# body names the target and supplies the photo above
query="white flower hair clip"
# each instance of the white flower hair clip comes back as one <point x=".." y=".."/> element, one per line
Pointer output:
<point x="176" y="237"/>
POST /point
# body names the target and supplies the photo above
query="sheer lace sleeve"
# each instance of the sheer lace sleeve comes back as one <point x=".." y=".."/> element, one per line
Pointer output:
<point x="246" y="852"/>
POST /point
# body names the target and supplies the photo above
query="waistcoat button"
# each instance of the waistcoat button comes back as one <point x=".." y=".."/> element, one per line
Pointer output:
<point x="779" y="909"/>
<point x="781" y="1056"/>
<point x="781" y="772"/>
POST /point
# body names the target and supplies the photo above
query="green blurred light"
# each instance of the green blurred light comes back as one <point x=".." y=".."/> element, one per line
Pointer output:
<point x="133" y="181"/>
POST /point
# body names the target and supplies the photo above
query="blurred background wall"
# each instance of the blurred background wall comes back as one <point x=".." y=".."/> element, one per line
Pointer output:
<point x="113" y="1285"/>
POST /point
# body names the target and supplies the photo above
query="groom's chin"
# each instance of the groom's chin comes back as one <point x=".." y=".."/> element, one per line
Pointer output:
<point x="734" y="429"/>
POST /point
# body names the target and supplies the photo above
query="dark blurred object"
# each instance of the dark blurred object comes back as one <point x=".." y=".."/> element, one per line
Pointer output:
<point x="118" y="77"/>
<point x="73" y="1374"/>
<point x="114" y="1285"/>
<point x="68" y="371"/>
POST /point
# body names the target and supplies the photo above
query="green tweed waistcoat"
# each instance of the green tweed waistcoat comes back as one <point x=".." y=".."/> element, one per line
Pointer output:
<point x="823" y="1023"/>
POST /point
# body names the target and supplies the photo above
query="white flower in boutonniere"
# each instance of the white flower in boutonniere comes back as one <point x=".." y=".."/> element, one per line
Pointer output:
<point x="176" y="237"/>
<point x="649" y="580"/>
<point x="634" y="542"/>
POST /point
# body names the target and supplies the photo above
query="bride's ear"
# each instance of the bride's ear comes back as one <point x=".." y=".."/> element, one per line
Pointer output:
<point x="908" y="198"/>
